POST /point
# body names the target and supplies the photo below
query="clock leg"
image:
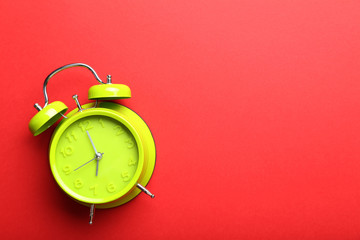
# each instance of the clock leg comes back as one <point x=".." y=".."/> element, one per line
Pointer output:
<point x="92" y="211"/>
<point x="142" y="188"/>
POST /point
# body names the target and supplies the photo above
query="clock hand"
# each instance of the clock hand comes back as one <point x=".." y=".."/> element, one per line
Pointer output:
<point x="97" y="166"/>
<point x="92" y="143"/>
<point x="85" y="163"/>
<point x="99" y="155"/>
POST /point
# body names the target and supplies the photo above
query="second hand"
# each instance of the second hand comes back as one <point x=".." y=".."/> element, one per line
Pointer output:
<point x="90" y="161"/>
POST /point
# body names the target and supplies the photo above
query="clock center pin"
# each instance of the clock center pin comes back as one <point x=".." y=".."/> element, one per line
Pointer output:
<point x="98" y="156"/>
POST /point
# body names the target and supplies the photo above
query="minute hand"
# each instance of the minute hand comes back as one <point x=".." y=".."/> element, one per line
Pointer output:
<point x="92" y="143"/>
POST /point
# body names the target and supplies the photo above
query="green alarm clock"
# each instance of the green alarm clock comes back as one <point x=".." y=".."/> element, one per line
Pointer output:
<point x="102" y="154"/>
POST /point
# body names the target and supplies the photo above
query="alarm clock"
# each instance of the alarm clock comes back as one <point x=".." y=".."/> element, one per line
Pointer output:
<point x="102" y="154"/>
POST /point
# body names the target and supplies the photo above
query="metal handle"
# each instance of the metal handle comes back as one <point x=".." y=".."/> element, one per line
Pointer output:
<point x="63" y="68"/>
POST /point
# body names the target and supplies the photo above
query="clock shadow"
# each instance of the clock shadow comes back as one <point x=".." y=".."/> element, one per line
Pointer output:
<point x="69" y="206"/>
<point x="80" y="213"/>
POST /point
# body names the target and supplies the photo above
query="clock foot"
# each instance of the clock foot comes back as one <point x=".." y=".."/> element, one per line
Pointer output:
<point x="92" y="211"/>
<point x="142" y="188"/>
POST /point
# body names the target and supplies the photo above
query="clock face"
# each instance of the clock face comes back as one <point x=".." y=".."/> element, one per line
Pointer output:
<point x="90" y="177"/>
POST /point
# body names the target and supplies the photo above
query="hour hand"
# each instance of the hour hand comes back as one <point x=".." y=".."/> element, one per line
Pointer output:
<point x="97" y="166"/>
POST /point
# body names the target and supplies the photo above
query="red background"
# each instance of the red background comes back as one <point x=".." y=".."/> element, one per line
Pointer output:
<point x="254" y="107"/>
